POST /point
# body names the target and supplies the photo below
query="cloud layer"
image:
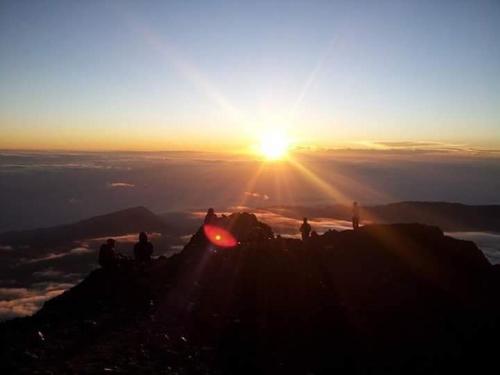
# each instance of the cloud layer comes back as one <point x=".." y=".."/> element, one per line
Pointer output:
<point x="15" y="302"/>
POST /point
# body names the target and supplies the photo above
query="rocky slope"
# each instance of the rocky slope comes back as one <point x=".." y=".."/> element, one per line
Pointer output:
<point x="399" y="298"/>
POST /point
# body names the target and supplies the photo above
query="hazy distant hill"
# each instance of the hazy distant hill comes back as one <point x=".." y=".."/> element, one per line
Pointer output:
<point x="126" y="221"/>
<point x="447" y="216"/>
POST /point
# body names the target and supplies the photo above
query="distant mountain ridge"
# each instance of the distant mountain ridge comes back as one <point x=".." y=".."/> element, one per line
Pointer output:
<point x="448" y="216"/>
<point x="130" y="220"/>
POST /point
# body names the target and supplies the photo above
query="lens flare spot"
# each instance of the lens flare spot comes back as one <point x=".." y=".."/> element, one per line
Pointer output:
<point x="219" y="236"/>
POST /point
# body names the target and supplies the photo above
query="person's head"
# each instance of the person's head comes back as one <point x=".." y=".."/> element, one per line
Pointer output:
<point x="111" y="242"/>
<point x="143" y="237"/>
<point x="210" y="211"/>
<point x="305" y="220"/>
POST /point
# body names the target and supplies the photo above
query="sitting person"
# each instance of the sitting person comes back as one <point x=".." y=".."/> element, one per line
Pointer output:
<point x="143" y="249"/>
<point x="107" y="254"/>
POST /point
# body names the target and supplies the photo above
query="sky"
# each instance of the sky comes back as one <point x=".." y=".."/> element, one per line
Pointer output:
<point x="212" y="75"/>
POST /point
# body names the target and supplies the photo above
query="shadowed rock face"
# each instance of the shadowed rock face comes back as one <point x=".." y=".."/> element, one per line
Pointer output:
<point x="386" y="298"/>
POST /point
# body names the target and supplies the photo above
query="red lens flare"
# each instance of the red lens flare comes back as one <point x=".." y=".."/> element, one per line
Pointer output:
<point x="219" y="236"/>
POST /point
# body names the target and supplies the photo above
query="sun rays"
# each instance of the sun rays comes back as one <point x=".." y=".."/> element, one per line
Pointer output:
<point x="296" y="180"/>
<point x="273" y="147"/>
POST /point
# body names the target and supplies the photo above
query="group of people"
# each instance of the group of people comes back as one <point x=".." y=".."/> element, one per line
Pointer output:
<point x="307" y="232"/>
<point x="143" y="249"/>
<point x="305" y="229"/>
<point x="110" y="258"/>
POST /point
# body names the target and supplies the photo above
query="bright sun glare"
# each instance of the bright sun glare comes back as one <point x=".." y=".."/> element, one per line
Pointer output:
<point x="274" y="146"/>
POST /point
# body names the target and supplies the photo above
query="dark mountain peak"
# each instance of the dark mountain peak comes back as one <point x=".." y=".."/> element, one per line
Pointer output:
<point x="133" y="215"/>
<point x="138" y="210"/>
<point x="435" y="204"/>
<point x="400" y="298"/>
<point x="130" y="220"/>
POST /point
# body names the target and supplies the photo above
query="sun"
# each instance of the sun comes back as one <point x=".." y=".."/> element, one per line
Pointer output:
<point x="274" y="145"/>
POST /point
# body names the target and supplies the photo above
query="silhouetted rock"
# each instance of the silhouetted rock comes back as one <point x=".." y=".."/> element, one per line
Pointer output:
<point x="383" y="299"/>
<point x="245" y="227"/>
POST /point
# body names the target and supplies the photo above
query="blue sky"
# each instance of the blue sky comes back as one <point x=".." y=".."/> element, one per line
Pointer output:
<point x="160" y="75"/>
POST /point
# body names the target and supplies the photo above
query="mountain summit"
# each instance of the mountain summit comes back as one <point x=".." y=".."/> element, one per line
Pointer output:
<point x="400" y="298"/>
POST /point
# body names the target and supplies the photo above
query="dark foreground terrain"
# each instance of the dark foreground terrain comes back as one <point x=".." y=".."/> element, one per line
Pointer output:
<point x="400" y="298"/>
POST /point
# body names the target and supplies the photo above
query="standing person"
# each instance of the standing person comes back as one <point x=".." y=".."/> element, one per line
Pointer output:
<point x="210" y="217"/>
<point x="143" y="249"/>
<point x="107" y="254"/>
<point x="305" y="229"/>
<point x="355" y="215"/>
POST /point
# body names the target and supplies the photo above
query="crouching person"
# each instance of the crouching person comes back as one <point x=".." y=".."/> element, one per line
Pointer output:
<point x="108" y="258"/>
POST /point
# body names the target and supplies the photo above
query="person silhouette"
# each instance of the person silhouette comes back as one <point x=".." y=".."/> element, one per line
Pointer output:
<point x="305" y="229"/>
<point x="355" y="215"/>
<point x="210" y="217"/>
<point x="143" y="249"/>
<point x="107" y="254"/>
